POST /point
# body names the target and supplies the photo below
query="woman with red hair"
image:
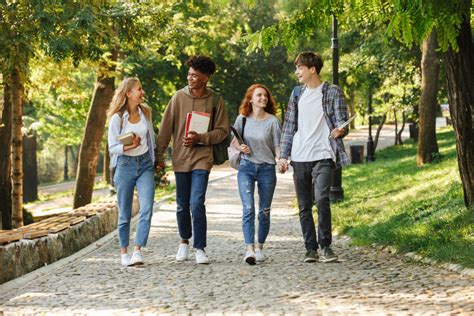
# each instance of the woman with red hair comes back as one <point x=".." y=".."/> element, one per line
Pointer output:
<point x="260" y="130"/>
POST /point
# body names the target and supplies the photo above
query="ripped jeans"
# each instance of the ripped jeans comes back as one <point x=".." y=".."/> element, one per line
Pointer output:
<point x="265" y="176"/>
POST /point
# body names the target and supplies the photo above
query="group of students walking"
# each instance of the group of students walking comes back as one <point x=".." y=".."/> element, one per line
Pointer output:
<point x="310" y="138"/>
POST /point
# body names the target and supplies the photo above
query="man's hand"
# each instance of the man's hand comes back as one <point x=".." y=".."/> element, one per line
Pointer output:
<point x="337" y="132"/>
<point x="192" y="139"/>
<point x="282" y="165"/>
<point x="160" y="165"/>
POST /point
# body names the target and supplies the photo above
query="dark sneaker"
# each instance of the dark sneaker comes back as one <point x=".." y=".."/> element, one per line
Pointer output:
<point x="311" y="256"/>
<point x="327" y="255"/>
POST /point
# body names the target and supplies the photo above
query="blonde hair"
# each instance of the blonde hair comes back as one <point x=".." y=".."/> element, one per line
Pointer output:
<point x="119" y="100"/>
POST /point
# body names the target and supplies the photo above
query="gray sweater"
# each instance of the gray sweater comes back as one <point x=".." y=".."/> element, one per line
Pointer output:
<point x="262" y="137"/>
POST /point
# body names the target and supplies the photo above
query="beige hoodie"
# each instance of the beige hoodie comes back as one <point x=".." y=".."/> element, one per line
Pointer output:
<point x="186" y="159"/>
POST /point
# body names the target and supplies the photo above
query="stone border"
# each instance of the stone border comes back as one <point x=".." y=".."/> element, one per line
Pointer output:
<point x="24" y="256"/>
<point x="413" y="256"/>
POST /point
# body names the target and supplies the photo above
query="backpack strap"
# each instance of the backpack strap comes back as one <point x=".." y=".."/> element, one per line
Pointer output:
<point x="244" y="120"/>
<point x="215" y="101"/>
<point x="296" y="96"/>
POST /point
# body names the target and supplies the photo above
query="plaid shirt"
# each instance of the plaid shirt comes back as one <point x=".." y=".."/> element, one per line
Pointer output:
<point x="335" y="113"/>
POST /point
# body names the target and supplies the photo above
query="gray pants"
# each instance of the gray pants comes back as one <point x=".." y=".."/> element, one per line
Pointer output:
<point x="313" y="179"/>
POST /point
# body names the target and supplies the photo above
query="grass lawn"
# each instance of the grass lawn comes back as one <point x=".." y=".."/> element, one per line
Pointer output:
<point x="415" y="209"/>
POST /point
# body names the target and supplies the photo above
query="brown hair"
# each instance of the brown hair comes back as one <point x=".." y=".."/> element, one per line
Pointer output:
<point x="246" y="107"/>
<point x="310" y="59"/>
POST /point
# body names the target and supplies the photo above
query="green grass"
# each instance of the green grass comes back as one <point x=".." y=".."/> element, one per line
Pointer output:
<point x="415" y="209"/>
<point x="161" y="192"/>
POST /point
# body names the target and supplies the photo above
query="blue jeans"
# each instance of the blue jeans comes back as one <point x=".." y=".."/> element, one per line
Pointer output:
<point x="191" y="190"/>
<point x="130" y="172"/>
<point x="265" y="176"/>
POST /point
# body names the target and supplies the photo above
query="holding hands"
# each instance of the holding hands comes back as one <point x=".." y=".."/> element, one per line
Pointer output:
<point x="282" y="165"/>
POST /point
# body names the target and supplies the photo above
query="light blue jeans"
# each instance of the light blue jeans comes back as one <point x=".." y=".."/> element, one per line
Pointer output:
<point x="265" y="176"/>
<point x="130" y="172"/>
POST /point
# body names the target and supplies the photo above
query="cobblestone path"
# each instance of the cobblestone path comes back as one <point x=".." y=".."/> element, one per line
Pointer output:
<point x="365" y="281"/>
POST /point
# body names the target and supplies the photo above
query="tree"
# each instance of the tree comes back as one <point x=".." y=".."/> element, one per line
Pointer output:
<point x="5" y="158"/>
<point x="409" y="22"/>
<point x="427" y="144"/>
<point x="94" y="131"/>
<point x="460" y="77"/>
<point x="125" y="32"/>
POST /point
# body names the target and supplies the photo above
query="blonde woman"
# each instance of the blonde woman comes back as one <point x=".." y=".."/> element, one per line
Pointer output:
<point x="133" y="164"/>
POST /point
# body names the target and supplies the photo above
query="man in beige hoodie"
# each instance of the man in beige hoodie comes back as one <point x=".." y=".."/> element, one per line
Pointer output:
<point x="192" y="154"/>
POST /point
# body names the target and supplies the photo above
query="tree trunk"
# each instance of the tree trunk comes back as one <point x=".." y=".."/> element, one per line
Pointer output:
<point x="30" y="169"/>
<point x="460" y="77"/>
<point x="17" y="90"/>
<point x="396" y="125"/>
<point x="93" y="134"/>
<point x="379" y="129"/>
<point x="73" y="151"/>
<point x="399" y="133"/>
<point x="5" y="158"/>
<point x="427" y="144"/>
<point x="66" y="164"/>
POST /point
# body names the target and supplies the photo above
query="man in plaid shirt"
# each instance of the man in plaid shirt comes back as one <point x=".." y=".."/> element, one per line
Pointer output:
<point x="312" y="139"/>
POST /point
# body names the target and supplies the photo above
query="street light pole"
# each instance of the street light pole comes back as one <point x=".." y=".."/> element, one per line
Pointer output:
<point x="337" y="192"/>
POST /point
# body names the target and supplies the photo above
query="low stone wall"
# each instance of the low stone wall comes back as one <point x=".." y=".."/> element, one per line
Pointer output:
<point x="23" y="256"/>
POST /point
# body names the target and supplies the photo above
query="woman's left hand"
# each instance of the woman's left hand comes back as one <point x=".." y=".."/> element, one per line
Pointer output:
<point x="245" y="149"/>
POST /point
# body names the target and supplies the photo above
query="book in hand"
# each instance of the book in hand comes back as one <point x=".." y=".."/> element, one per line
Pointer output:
<point x="197" y="122"/>
<point x="347" y="122"/>
<point x="126" y="139"/>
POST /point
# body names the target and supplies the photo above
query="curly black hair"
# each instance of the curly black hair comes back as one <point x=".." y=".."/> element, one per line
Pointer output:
<point x="202" y="63"/>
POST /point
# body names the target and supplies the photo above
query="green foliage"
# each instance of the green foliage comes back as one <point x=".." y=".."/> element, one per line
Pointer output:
<point x="418" y="209"/>
<point x="408" y="21"/>
<point x="60" y="95"/>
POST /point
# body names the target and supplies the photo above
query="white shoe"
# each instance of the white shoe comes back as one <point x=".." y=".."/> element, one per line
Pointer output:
<point x="259" y="256"/>
<point x="125" y="258"/>
<point x="183" y="252"/>
<point x="137" y="259"/>
<point x="250" y="257"/>
<point x="201" y="257"/>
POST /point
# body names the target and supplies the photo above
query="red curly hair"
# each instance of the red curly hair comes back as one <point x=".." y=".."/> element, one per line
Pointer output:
<point x="246" y="107"/>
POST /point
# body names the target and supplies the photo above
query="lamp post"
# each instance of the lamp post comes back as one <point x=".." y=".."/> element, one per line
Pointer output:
<point x="336" y="193"/>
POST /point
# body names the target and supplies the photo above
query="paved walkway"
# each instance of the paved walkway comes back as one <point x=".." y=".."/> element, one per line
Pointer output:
<point x="364" y="281"/>
<point x="64" y="204"/>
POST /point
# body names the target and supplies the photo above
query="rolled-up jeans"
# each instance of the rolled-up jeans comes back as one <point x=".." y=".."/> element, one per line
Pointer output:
<point x="313" y="179"/>
<point x="265" y="176"/>
<point x="131" y="172"/>
<point x="191" y="190"/>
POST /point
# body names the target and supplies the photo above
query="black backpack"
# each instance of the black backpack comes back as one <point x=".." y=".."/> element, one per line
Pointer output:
<point x="219" y="151"/>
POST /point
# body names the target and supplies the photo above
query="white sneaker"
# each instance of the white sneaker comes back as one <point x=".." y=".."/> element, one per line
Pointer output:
<point x="183" y="252"/>
<point x="259" y="256"/>
<point x="250" y="257"/>
<point x="137" y="259"/>
<point x="125" y="258"/>
<point x="201" y="257"/>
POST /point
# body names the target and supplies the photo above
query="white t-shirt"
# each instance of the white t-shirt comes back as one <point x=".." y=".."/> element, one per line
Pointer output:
<point x="311" y="142"/>
<point x="141" y="130"/>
